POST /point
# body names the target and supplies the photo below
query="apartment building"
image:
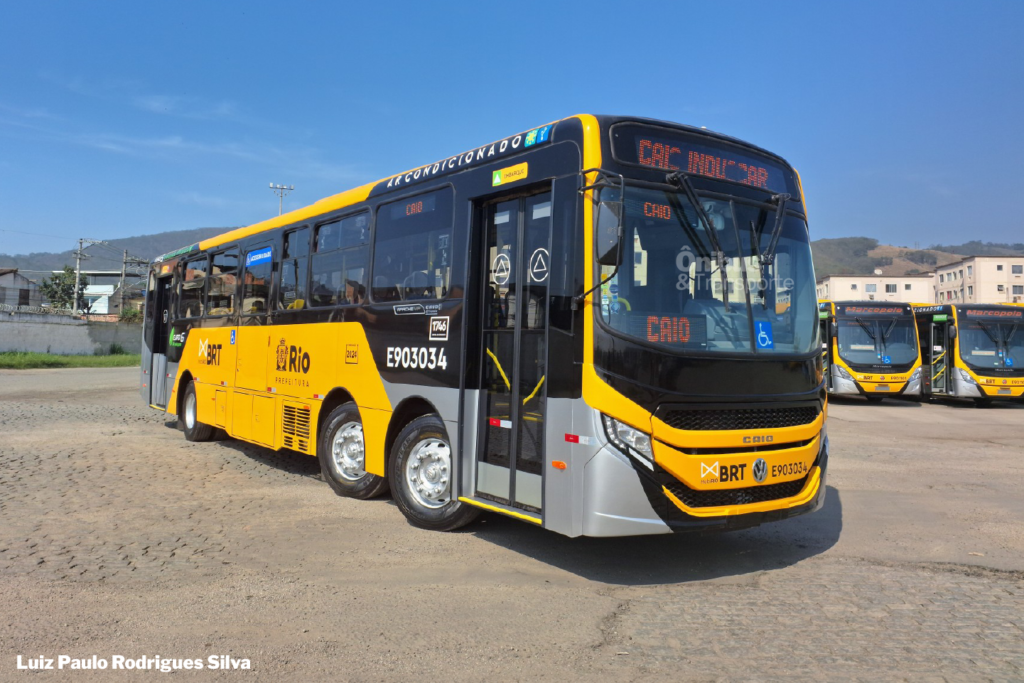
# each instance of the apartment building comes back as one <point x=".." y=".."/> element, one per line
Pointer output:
<point x="906" y="288"/>
<point x="981" y="280"/>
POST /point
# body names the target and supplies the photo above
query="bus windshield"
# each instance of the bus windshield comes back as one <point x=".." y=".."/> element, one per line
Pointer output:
<point x="672" y="288"/>
<point x="985" y="344"/>
<point x="876" y="340"/>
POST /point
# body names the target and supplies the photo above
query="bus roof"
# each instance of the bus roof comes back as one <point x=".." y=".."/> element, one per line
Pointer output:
<point x="363" y="192"/>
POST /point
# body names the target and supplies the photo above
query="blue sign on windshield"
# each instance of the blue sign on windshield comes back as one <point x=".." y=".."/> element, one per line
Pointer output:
<point x="1008" y="361"/>
<point x="764" y="335"/>
<point x="887" y="360"/>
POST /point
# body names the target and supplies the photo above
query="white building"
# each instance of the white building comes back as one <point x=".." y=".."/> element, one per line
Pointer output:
<point x="906" y="288"/>
<point x="981" y="280"/>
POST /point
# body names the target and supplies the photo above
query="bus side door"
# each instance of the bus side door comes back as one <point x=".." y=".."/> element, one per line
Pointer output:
<point x="253" y="347"/>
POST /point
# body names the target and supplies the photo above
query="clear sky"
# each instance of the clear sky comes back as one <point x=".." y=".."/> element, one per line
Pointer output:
<point x="126" y="118"/>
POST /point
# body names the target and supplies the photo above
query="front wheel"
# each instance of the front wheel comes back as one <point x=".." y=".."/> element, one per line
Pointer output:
<point x="342" y="455"/>
<point x="420" y="472"/>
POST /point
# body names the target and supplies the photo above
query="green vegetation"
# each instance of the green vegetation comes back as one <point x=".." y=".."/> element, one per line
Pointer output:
<point x="18" y="360"/>
<point x="979" y="248"/>
<point x="130" y="315"/>
<point x="59" y="289"/>
<point x="846" y="256"/>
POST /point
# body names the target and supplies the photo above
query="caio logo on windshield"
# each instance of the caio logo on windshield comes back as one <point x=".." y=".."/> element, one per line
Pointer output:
<point x="292" y="358"/>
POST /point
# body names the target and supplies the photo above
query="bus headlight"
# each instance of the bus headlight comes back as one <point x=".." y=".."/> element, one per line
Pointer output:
<point x="843" y="373"/>
<point x="627" y="439"/>
<point x="915" y="375"/>
<point x="966" y="376"/>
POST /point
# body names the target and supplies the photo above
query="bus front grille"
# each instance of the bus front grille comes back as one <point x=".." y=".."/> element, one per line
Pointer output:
<point x="745" y="496"/>
<point x="709" y="418"/>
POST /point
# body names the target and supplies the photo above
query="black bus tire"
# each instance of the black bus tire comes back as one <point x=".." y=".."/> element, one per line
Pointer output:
<point x="424" y="441"/>
<point x="342" y="455"/>
<point x="189" y="418"/>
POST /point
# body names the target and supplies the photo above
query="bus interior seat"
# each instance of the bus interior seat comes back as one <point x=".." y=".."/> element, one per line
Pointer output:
<point x="417" y="286"/>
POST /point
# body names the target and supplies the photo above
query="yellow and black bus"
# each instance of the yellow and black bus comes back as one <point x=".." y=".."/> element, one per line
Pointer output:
<point x="870" y="349"/>
<point x="972" y="351"/>
<point x="604" y="326"/>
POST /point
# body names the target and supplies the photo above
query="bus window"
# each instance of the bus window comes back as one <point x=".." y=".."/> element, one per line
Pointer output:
<point x="412" y="255"/>
<point x="193" y="289"/>
<point x="223" y="283"/>
<point x="339" y="262"/>
<point x="292" y="292"/>
<point x="256" y="290"/>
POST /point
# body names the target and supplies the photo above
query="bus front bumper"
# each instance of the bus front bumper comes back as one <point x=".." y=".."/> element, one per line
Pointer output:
<point x="623" y="498"/>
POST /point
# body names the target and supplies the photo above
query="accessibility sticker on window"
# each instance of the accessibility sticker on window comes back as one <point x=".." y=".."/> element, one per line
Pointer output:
<point x="764" y="337"/>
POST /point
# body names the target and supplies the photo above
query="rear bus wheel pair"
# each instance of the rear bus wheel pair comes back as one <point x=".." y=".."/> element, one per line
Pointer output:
<point x="419" y="470"/>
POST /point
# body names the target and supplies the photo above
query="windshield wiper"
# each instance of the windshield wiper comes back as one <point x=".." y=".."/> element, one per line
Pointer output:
<point x="867" y="328"/>
<point x="995" y="340"/>
<point x="682" y="181"/>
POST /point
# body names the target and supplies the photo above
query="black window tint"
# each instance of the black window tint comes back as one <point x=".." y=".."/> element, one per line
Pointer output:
<point x="292" y="293"/>
<point x="193" y="289"/>
<point x="339" y="263"/>
<point x="256" y="290"/>
<point x="223" y="283"/>
<point x="412" y="249"/>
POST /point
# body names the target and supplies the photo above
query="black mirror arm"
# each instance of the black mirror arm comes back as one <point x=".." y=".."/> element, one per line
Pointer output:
<point x="579" y="298"/>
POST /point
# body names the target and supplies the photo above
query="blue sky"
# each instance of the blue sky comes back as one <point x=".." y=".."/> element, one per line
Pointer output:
<point x="127" y="118"/>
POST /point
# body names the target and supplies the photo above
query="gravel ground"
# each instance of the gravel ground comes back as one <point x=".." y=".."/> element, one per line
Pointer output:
<point x="118" y="537"/>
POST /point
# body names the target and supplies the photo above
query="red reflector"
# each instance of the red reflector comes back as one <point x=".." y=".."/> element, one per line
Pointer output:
<point x="558" y="464"/>
<point x="494" y="422"/>
<point x="572" y="438"/>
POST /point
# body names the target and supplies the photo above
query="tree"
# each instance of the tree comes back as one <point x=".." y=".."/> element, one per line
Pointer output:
<point x="59" y="289"/>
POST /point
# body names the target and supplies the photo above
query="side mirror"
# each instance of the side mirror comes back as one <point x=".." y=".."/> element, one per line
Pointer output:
<point x="834" y="328"/>
<point x="952" y="331"/>
<point x="609" y="233"/>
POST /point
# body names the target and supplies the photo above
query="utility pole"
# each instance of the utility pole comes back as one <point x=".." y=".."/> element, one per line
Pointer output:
<point x="78" y="272"/>
<point x="120" y="287"/>
<point x="281" y="191"/>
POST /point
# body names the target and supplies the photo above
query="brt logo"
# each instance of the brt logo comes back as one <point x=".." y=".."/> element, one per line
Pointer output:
<point x="715" y="474"/>
<point x="292" y="358"/>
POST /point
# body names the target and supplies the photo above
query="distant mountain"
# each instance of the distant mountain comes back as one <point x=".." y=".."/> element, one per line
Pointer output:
<point x="864" y="255"/>
<point x="104" y="257"/>
<point x="976" y="248"/>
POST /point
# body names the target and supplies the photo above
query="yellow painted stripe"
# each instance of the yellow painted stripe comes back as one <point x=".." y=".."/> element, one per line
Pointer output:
<point x="157" y="407"/>
<point x="492" y="508"/>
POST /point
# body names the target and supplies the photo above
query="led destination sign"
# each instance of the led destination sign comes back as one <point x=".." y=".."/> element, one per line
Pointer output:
<point x="874" y="310"/>
<point x="697" y="155"/>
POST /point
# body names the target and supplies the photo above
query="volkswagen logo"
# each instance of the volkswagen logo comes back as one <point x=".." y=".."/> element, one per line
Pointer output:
<point x="760" y="470"/>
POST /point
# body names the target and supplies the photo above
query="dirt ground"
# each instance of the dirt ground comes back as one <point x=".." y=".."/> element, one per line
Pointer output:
<point x="118" y="537"/>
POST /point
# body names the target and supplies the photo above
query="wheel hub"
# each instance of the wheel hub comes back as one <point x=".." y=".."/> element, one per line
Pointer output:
<point x="347" y="452"/>
<point x="427" y="471"/>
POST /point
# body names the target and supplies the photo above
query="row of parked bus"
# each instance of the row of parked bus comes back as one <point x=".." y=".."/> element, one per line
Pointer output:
<point x="879" y="349"/>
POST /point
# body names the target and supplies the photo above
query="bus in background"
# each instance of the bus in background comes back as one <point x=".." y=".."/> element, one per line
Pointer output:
<point x="972" y="351"/>
<point x="870" y="349"/>
<point x="603" y="326"/>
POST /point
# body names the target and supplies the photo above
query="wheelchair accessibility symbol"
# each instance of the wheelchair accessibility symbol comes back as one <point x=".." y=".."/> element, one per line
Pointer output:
<point x="764" y="335"/>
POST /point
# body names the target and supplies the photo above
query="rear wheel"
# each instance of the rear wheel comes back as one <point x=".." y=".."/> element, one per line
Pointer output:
<point x="342" y="455"/>
<point x="193" y="428"/>
<point x="420" y="471"/>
